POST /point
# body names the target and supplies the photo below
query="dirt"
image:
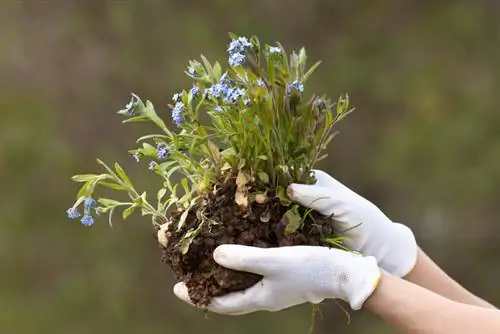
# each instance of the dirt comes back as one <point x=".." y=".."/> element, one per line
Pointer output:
<point x="204" y="278"/>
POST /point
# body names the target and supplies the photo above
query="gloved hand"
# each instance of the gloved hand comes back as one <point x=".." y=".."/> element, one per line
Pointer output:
<point x="367" y="229"/>
<point x="291" y="276"/>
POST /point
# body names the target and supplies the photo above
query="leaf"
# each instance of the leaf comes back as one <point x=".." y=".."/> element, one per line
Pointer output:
<point x="109" y="202"/>
<point x="208" y="67"/>
<point x="242" y="179"/>
<point x="123" y="176"/>
<point x="185" y="185"/>
<point x="112" y="186"/>
<point x="263" y="177"/>
<point x="217" y="71"/>
<point x="128" y="211"/>
<point x="85" y="177"/>
<point x="151" y="137"/>
<point x="291" y="220"/>
<point x="150" y="111"/>
<point x="337" y="242"/>
<point x="262" y="157"/>
<point x="110" y="171"/>
<point x="86" y="189"/>
<point x="161" y="193"/>
<point x="284" y="200"/>
<point x="182" y="219"/>
<point x="310" y="71"/>
<point x="142" y="118"/>
<point x="188" y="239"/>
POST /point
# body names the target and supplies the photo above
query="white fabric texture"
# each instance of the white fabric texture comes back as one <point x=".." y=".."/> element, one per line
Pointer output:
<point x="291" y="276"/>
<point x="366" y="228"/>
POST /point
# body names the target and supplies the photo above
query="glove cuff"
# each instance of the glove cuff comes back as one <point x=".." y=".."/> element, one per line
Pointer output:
<point x="365" y="283"/>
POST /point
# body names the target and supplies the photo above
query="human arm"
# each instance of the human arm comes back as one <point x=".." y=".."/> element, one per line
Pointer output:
<point x="368" y="230"/>
<point x="414" y="310"/>
<point x="429" y="275"/>
<point x="298" y="274"/>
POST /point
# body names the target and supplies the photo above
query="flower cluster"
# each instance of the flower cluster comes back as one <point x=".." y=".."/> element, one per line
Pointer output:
<point x="237" y="49"/>
<point x="177" y="113"/>
<point x="88" y="204"/>
<point x="162" y="151"/>
<point x="296" y="85"/>
<point x="131" y="106"/>
<point x="262" y="133"/>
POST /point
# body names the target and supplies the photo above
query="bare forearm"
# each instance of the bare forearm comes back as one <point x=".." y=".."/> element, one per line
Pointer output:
<point x="415" y="310"/>
<point x="428" y="275"/>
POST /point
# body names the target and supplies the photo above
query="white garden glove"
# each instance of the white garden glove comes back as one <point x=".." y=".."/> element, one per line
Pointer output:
<point x="291" y="276"/>
<point x="367" y="229"/>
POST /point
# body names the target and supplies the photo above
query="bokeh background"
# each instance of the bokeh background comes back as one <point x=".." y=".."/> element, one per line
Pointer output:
<point x="424" y="144"/>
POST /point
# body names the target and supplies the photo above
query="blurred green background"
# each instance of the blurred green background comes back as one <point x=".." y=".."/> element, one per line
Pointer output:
<point x="424" y="144"/>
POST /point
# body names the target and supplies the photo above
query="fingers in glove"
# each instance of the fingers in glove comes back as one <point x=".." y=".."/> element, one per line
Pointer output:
<point x="236" y="303"/>
<point x="246" y="258"/>
<point x="315" y="197"/>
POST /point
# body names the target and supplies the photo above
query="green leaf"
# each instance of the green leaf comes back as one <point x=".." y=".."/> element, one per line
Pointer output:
<point x="291" y="220"/>
<point x="110" y="202"/>
<point x="337" y="242"/>
<point x="112" y="186"/>
<point x="182" y="219"/>
<point x="85" y="177"/>
<point x="110" y="171"/>
<point x="142" y="118"/>
<point x="242" y="179"/>
<point x="128" y="211"/>
<point x="123" y="176"/>
<point x="161" y="193"/>
<point x="151" y="113"/>
<point x="217" y="71"/>
<point x="262" y="157"/>
<point x="263" y="177"/>
<point x="310" y="71"/>
<point x="188" y="238"/>
<point x="185" y="186"/>
<point x="151" y="137"/>
<point x="208" y="67"/>
<point x="284" y="200"/>
<point x="86" y="190"/>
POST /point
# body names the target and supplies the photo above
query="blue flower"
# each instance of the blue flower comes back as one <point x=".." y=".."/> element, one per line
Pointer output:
<point x="137" y="156"/>
<point x="89" y="203"/>
<point x="192" y="71"/>
<point x="87" y="220"/>
<point x="275" y="49"/>
<point x="73" y="213"/>
<point x="260" y="82"/>
<point x="238" y="45"/>
<point x="218" y="90"/>
<point x="320" y="103"/>
<point x="152" y="165"/>
<point x="161" y="151"/>
<point x="237" y="59"/>
<point x="177" y="97"/>
<point x="297" y="85"/>
<point x="195" y="91"/>
<point x="177" y="113"/>
<point x="247" y="102"/>
<point x="234" y="94"/>
<point x="130" y="107"/>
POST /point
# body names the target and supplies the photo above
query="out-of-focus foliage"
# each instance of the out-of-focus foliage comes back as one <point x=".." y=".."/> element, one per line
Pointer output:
<point x="424" y="143"/>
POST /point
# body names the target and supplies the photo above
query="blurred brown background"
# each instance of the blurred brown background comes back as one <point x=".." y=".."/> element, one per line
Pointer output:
<point x="424" y="143"/>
